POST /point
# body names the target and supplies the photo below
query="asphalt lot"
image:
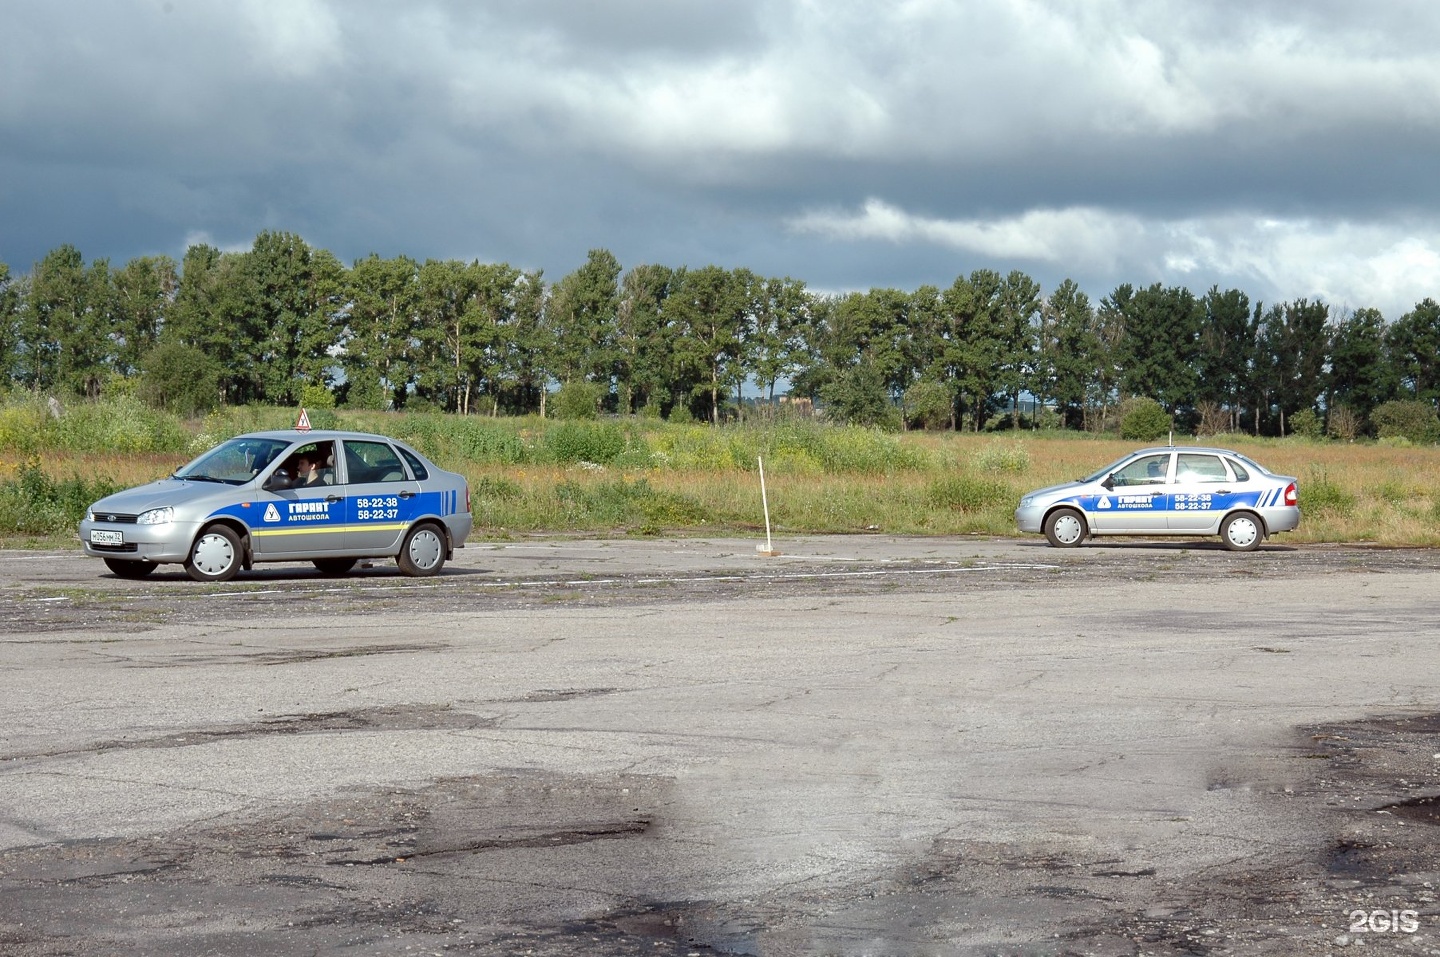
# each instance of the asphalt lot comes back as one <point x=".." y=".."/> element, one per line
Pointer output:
<point x="862" y="745"/>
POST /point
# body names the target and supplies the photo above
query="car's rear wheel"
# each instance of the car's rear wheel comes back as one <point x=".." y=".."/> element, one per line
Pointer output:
<point x="1065" y="528"/>
<point x="216" y="555"/>
<point x="1242" y="532"/>
<point x="423" y="552"/>
<point x="334" y="566"/>
<point x="129" y="568"/>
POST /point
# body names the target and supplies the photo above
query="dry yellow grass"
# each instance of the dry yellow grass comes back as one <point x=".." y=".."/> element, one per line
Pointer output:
<point x="1359" y="493"/>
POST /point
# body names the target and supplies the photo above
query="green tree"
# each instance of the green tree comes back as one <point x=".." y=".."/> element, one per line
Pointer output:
<point x="781" y="309"/>
<point x="11" y="298"/>
<point x="144" y="290"/>
<point x="1224" y="351"/>
<point x="644" y="337"/>
<point x="1361" y="376"/>
<point x="581" y="315"/>
<point x="66" y="323"/>
<point x="1161" y="344"/>
<point x="522" y="371"/>
<point x="380" y="330"/>
<point x="1069" y="347"/>
<point x="280" y="290"/>
<point x="1413" y="343"/>
<point x="211" y="312"/>
<point x="710" y="311"/>
<point x="1018" y="315"/>
<point x="1295" y="339"/>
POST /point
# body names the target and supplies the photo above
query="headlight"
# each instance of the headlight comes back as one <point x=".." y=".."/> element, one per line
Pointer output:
<point x="89" y="515"/>
<point x="1027" y="501"/>
<point x="156" y="516"/>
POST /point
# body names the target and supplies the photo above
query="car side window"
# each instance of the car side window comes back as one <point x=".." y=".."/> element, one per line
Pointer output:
<point x="372" y="462"/>
<point x="1193" y="467"/>
<point x="1146" y="470"/>
<point x="1241" y="475"/>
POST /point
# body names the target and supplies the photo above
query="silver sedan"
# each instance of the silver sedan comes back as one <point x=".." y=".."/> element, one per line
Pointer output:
<point x="330" y="498"/>
<point x="1167" y="491"/>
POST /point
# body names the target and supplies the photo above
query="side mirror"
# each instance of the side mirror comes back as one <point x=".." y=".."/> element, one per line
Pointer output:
<point x="1109" y="482"/>
<point x="278" y="479"/>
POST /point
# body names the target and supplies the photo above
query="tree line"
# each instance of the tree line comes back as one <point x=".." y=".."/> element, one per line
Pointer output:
<point x="286" y="323"/>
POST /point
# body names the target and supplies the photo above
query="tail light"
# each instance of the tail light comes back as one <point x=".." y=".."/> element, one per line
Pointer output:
<point x="1292" y="494"/>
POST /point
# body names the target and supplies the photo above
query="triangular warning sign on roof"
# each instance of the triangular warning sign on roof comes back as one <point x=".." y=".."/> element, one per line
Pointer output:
<point x="302" y="424"/>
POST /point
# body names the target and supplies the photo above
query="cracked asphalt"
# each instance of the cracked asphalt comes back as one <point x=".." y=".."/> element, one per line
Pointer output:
<point x="861" y="745"/>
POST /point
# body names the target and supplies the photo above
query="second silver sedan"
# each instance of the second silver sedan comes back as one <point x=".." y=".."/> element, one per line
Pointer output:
<point x="1168" y="491"/>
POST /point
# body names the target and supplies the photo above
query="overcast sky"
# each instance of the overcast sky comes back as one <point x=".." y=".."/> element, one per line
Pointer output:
<point x="1288" y="149"/>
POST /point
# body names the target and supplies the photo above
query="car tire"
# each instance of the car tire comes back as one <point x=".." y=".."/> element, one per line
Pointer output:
<point x="334" y="566"/>
<point x="1065" y="528"/>
<point x="1242" y="532"/>
<point x="216" y="555"/>
<point x="129" y="568"/>
<point x="423" y="552"/>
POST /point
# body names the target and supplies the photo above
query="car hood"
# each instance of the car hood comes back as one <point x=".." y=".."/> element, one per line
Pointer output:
<point x="167" y="491"/>
<point x="1053" y="491"/>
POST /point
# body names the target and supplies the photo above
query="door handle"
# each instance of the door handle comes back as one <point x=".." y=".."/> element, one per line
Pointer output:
<point x="334" y="498"/>
<point x="407" y="494"/>
<point x="1222" y="491"/>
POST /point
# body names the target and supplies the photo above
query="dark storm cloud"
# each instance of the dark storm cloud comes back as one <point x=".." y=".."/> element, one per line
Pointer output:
<point x="1285" y="149"/>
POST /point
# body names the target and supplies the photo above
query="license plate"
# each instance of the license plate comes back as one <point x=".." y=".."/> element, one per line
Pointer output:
<point x="101" y="537"/>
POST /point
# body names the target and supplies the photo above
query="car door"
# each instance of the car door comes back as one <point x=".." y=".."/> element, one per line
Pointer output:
<point x="1201" y="492"/>
<point x="1137" y="497"/>
<point x="298" y="523"/>
<point x="379" y="495"/>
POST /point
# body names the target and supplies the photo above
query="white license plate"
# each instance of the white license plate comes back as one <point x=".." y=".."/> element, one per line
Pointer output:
<point x="101" y="537"/>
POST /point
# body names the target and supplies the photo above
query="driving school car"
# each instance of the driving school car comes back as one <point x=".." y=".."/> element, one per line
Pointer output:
<point x="1168" y="491"/>
<point x="331" y="498"/>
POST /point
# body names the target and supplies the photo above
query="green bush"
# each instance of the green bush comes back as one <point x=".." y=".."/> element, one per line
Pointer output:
<point x="34" y="504"/>
<point x="966" y="493"/>
<point x="1319" y="494"/>
<point x="180" y="379"/>
<point x="577" y="400"/>
<point x="1003" y="457"/>
<point x="1408" y="419"/>
<point x="626" y="503"/>
<point x="597" y="442"/>
<point x="1143" y="420"/>
<point x="931" y="404"/>
<point x="1307" y="424"/>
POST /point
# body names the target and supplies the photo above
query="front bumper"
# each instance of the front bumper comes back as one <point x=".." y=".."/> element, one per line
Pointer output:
<point x="149" y="543"/>
<point x="1030" y="518"/>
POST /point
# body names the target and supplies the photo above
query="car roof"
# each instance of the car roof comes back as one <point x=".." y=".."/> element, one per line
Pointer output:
<point x="313" y="435"/>
<point x="1185" y="448"/>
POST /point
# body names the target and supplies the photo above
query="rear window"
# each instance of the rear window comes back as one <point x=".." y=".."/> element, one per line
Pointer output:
<point x="417" y="467"/>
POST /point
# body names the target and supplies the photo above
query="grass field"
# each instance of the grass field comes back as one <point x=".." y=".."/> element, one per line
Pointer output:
<point x="638" y="477"/>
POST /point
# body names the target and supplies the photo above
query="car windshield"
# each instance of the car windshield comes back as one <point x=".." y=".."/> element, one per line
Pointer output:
<point x="233" y="463"/>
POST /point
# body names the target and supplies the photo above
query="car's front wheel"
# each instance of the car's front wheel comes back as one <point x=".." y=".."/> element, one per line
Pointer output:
<point x="1065" y="528"/>
<point x="423" y="552"/>
<point x="1241" y="532"/>
<point x="216" y="555"/>
<point x="129" y="568"/>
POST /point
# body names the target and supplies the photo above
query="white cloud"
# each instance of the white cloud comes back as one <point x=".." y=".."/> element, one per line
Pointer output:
<point x="1344" y="263"/>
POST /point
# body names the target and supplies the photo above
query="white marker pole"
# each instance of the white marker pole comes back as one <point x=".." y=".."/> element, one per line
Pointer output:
<point x="768" y="550"/>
